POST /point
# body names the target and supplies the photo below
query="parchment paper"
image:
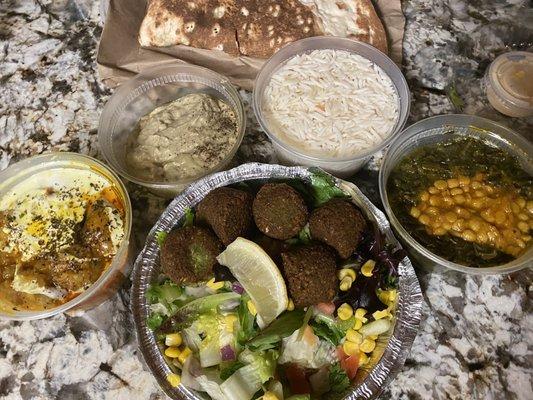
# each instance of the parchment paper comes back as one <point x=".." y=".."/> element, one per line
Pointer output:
<point x="120" y="55"/>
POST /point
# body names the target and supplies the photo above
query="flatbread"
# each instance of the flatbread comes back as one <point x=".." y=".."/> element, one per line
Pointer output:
<point x="257" y="28"/>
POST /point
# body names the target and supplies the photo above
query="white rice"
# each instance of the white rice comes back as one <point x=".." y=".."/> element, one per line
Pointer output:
<point x="331" y="103"/>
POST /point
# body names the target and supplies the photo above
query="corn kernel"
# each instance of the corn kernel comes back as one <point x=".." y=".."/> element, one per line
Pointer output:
<point x="346" y="284"/>
<point x="350" y="348"/>
<point x="344" y="272"/>
<point x="363" y="359"/>
<point x="380" y="314"/>
<point x="368" y="267"/>
<point x="345" y="311"/>
<point x="270" y="396"/>
<point x="251" y="307"/>
<point x="360" y="313"/>
<point x="215" y="285"/>
<point x="184" y="355"/>
<point x="353" y="336"/>
<point x="174" y="379"/>
<point x="358" y="324"/>
<point x="373" y="337"/>
<point x="173" y="339"/>
<point x="172" y="352"/>
<point x="290" y="305"/>
<point x="368" y="345"/>
<point x="230" y="322"/>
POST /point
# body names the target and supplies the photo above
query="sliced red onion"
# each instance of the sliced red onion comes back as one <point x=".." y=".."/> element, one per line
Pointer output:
<point x="227" y="352"/>
<point x="237" y="287"/>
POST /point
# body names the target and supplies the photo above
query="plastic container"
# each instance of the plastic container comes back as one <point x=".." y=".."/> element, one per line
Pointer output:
<point x="345" y="166"/>
<point x="149" y="90"/>
<point x="112" y="278"/>
<point x="443" y="128"/>
<point x="509" y="84"/>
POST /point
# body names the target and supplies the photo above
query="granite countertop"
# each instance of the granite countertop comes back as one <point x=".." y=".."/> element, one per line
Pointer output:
<point x="476" y="337"/>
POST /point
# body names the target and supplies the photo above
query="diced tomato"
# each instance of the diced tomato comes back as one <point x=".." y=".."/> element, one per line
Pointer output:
<point x="297" y="380"/>
<point x="350" y="365"/>
<point x="326" y="308"/>
<point x="341" y="355"/>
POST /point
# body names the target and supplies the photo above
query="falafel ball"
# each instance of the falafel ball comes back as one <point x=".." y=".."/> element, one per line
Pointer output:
<point x="279" y="211"/>
<point x="310" y="273"/>
<point x="188" y="254"/>
<point x="228" y="212"/>
<point x="339" y="224"/>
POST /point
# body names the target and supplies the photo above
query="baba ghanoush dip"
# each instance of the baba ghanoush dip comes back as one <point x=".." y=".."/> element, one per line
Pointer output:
<point x="59" y="231"/>
<point x="182" y="139"/>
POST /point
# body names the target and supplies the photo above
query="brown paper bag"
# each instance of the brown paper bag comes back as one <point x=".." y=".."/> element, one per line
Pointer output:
<point x="120" y="55"/>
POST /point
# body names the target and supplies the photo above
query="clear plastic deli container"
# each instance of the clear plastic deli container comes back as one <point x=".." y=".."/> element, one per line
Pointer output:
<point x="113" y="277"/>
<point x="443" y="128"/>
<point x="289" y="154"/>
<point x="150" y="89"/>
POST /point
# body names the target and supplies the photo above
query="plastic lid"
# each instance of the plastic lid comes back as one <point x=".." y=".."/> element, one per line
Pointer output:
<point x="511" y="78"/>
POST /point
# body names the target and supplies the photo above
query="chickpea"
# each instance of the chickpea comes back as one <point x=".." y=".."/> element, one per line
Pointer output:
<point x="453" y="183"/>
<point x="529" y="206"/>
<point x="520" y="243"/>
<point x="521" y="202"/>
<point x="423" y="206"/>
<point x="488" y="189"/>
<point x="424" y="196"/>
<point x="459" y="199"/>
<point x="479" y="193"/>
<point x="499" y="217"/>
<point x="523" y="217"/>
<point x="458" y="225"/>
<point x="434" y="200"/>
<point x="464" y="181"/>
<point x="447" y="226"/>
<point x="466" y="189"/>
<point x="526" y="238"/>
<point x="451" y="217"/>
<point x="432" y="211"/>
<point x="477" y="204"/>
<point x="415" y="212"/>
<point x="515" y="207"/>
<point x="468" y="235"/>
<point x="439" y="231"/>
<point x="523" y="226"/>
<point x="456" y="191"/>
<point x="487" y="215"/>
<point x="441" y="185"/>
<point x="475" y="185"/>
<point x="448" y="201"/>
<point x="462" y="212"/>
<point x="424" y="219"/>
<point x="433" y="190"/>
<point x="482" y="237"/>
<point x="474" y="224"/>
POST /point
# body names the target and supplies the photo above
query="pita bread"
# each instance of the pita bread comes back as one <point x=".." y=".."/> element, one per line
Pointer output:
<point x="257" y="28"/>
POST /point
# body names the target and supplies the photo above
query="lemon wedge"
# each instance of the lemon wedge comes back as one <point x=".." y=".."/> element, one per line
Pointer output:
<point x="259" y="276"/>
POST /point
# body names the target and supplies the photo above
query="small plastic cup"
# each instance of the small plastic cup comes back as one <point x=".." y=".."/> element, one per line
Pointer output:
<point x="509" y="84"/>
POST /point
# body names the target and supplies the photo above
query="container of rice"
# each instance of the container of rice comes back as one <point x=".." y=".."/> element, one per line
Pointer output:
<point x="330" y="102"/>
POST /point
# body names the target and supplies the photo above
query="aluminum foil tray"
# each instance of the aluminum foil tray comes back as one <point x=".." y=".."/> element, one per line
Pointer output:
<point x="395" y="348"/>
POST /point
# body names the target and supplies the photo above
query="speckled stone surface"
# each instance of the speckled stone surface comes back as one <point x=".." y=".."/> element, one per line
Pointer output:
<point x="475" y="341"/>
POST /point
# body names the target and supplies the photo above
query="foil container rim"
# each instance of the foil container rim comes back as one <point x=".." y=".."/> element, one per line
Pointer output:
<point x="408" y="313"/>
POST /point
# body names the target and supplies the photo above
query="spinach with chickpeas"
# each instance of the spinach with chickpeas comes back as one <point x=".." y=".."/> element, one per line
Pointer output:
<point x="464" y="200"/>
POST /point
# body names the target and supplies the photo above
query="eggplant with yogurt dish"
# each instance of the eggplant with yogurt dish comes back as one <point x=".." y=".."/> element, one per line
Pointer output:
<point x="464" y="200"/>
<point x="273" y="294"/>
<point x="59" y="231"/>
